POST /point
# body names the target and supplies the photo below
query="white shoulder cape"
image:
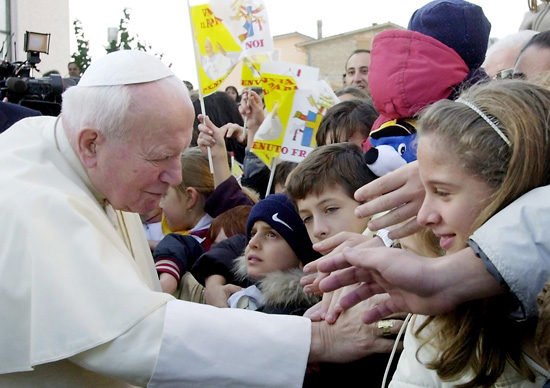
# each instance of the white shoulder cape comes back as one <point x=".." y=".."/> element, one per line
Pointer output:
<point x="68" y="281"/>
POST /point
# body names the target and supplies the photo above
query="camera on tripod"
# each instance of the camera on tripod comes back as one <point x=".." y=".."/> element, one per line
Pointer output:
<point x="20" y="87"/>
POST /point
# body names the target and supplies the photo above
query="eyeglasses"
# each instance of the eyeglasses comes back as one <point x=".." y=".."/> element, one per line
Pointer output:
<point x="508" y="74"/>
<point x="504" y="74"/>
<point x="519" y="76"/>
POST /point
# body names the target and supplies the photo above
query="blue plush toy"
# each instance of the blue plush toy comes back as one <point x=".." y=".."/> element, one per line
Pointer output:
<point x="391" y="146"/>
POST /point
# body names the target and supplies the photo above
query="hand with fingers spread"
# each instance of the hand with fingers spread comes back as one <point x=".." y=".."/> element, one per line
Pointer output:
<point x="252" y="110"/>
<point x="333" y="245"/>
<point x="401" y="192"/>
<point x="415" y="284"/>
<point x="234" y="131"/>
<point x="213" y="137"/>
<point x="329" y="308"/>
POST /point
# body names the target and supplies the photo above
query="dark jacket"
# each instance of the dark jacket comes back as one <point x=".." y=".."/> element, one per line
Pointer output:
<point x="11" y="113"/>
<point x="255" y="174"/>
<point x="281" y="290"/>
<point x="219" y="260"/>
<point x="181" y="250"/>
<point x="226" y="196"/>
<point x="284" y="295"/>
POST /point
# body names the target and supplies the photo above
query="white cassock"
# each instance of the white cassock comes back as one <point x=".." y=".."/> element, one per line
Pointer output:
<point x="80" y="302"/>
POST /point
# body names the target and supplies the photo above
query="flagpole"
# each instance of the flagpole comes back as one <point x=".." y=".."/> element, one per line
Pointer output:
<point x="272" y="173"/>
<point x="247" y="105"/>
<point x="201" y="96"/>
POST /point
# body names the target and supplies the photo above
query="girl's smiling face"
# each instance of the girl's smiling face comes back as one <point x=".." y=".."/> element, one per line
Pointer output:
<point x="454" y="198"/>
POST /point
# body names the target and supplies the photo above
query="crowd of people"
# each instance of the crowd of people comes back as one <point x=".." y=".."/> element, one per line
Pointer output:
<point x="151" y="247"/>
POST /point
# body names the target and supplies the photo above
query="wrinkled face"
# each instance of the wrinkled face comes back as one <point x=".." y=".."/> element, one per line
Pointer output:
<point x="453" y="198"/>
<point x="133" y="173"/>
<point x="174" y="207"/>
<point x="74" y="71"/>
<point x="267" y="251"/>
<point x="357" y="70"/>
<point x="330" y="213"/>
<point x="532" y="62"/>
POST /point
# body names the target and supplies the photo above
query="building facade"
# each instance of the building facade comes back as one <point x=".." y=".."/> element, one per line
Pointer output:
<point x="331" y="53"/>
<point x="328" y="54"/>
<point x="41" y="16"/>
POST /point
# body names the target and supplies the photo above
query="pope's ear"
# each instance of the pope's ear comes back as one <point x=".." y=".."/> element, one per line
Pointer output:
<point x="87" y="143"/>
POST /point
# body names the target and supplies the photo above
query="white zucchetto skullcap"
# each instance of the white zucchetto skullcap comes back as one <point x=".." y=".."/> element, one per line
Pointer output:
<point x="124" y="67"/>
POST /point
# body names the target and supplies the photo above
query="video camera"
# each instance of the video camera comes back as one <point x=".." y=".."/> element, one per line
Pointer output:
<point x="18" y="85"/>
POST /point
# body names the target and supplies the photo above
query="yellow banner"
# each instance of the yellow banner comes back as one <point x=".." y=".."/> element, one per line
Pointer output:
<point x="218" y="53"/>
<point x="251" y="75"/>
<point x="279" y="93"/>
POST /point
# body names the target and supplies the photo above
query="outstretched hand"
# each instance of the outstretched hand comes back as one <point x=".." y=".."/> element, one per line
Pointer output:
<point x="252" y="109"/>
<point x="415" y="284"/>
<point x="348" y="339"/>
<point x="211" y="136"/>
<point x="401" y="192"/>
<point x="329" y="307"/>
<point x="333" y="245"/>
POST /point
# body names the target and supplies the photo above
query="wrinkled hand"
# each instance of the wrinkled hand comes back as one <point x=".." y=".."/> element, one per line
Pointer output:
<point x="349" y="339"/>
<point x="401" y="192"/>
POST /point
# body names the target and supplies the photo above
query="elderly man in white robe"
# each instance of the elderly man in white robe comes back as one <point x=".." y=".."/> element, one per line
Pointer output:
<point x="80" y="302"/>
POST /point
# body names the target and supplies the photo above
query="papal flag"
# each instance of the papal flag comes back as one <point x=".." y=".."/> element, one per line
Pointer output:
<point x="225" y="31"/>
<point x="296" y="101"/>
<point x="309" y="106"/>
<point x="251" y="75"/>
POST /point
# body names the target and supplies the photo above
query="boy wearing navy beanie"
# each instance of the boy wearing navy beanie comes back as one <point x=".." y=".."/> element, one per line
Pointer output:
<point x="278" y="246"/>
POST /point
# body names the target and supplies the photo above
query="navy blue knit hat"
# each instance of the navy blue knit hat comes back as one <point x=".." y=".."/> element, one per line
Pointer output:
<point x="458" y="24"/>
<point x="278" y="211"/>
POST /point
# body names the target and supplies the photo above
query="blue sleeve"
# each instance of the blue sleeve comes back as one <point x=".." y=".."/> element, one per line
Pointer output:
<point x="256" y="174"/>
<point x="515" y="246"/>
<point x="226" y="196"/>
<point x="183" y="250"/>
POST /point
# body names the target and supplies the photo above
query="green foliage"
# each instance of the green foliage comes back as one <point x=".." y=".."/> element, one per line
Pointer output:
<point x="125" y="41"/>
<point x="81" y="57"/>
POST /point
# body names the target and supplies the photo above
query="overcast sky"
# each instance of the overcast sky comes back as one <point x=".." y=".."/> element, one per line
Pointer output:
<point x="164" y="24"/>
